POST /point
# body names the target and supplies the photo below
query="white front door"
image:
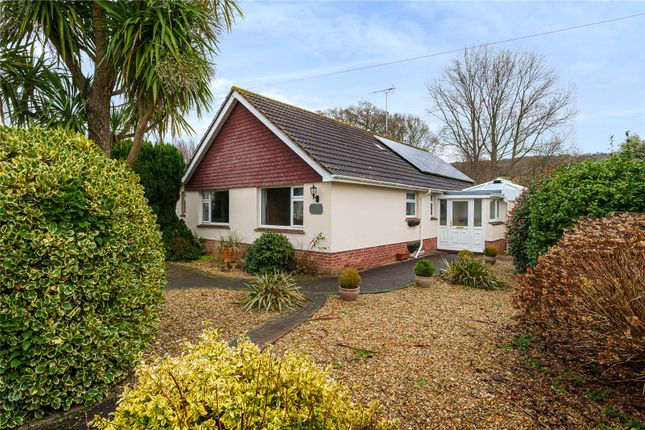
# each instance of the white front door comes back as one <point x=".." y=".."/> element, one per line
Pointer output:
<point x="460" y="225"/>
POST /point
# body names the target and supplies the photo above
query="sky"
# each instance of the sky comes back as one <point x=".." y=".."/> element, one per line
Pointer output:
<point x="284" y="41"/>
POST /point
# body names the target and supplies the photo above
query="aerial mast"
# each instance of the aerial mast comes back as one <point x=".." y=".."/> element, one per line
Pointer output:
<point x="386" y="91"/>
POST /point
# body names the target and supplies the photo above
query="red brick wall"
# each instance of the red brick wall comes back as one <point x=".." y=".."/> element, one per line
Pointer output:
<point x="246" y="153"/>
<point x="499" y="245"/>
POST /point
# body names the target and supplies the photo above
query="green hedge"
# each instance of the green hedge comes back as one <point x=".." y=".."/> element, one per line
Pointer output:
<point x="570" y="192"/>
<point x="160" y="168"/>
<point x="81" y="272"/>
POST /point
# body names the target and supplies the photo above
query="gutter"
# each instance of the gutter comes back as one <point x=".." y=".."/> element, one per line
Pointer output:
<point x="354" y="180"/>
<point x="418" y="253"/>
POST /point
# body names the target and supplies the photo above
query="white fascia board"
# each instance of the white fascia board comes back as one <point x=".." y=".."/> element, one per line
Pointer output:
<point x="219" y="121"/>
<point x="470" y="196"/>
<point x="326" y="176"/>
<point x="363" y="181"/>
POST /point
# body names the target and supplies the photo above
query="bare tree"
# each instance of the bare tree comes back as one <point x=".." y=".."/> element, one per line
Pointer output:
<point x="407" y="128"/>
<point x="498" y="105"/>
<point x="187" y="147"/>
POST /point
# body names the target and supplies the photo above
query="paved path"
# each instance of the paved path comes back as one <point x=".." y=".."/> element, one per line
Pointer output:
<point x="377" y="280"/>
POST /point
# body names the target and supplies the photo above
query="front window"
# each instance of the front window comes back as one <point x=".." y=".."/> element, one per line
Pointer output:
<point x="478" y="212"/>
<point x="215" y="207"/>
<point x="443" y="212"/>
<point x="410" y="204"/>
<point x="183" y="203"/>
<point x="494" y="209"/>
<point x="283" y="206"/>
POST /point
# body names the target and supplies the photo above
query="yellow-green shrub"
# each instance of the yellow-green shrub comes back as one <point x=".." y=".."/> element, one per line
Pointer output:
<point x="213" y="385"/>
<point x="81" y="272"/>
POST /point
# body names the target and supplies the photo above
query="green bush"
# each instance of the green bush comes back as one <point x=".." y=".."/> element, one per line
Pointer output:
<point x="424" y="268"/>
<point x="181" y="243"/>
<point x="217" y="386"/>
<point x="273" y="291"/>
<point x="81" y="272"/>
<point x="517" y="231"/>
<point x="490" y="251"/>
<point x="571" y="192"/>
<point x="160" y="168"/>
<point x="471" y="272"/>
<point x="271" y="252"/>
<point x="464" y="253"/>
<point x="349" y="278"/>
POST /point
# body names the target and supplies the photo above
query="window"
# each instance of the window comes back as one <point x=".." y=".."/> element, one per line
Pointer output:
<point x="215" y="207"/>
<point x="410" y="204"/>
<point x="283" y="206"/>
<point x="494" y="209"/>
<point x="478" y="213"/>
<point x="443" y="212"/>
<point x="183" y="203"/>
<point x="459" y="214"/>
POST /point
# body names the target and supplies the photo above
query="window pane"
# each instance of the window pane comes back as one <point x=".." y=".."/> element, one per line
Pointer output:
<point x="219" y="206"/>
<point x="410" y="196"/>
<point x="478" y="213"/>
<point x="460" y="214"/>
<point x="205" y="215"/>
<point x="493" y="213"/>
<point x="298" y="212"/>
<point x="443" y="212"/>
<point x="205" y="195"/>
<point x="410" y="209"/>
<point x="276" y="206"/>
<point x="298" y="192"/>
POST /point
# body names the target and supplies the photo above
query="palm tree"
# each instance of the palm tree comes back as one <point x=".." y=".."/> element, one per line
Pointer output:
<point x="115" y="70"/>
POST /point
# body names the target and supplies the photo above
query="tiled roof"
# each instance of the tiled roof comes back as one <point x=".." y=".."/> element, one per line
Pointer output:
<point x="345" y="150"/>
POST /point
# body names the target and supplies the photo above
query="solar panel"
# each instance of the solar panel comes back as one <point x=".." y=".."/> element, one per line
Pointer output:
<point x="424" y="161"/>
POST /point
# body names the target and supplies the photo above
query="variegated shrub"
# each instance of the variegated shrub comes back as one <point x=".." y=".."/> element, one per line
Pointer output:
<point x="81" y="272"/>
<point x="216" y="386"/>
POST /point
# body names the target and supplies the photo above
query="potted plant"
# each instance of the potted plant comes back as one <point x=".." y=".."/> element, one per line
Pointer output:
<point x="490" y="255"/>
<point x="423" y="271"/>
<point x="229" y="247"/>
<point x="349" y="284"/>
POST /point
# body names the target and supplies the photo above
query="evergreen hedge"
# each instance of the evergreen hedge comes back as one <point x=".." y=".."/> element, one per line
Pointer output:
<point x="81" y="272"/>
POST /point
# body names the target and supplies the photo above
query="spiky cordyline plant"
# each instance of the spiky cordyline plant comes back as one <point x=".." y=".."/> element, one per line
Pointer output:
<point x="273" y="291"/>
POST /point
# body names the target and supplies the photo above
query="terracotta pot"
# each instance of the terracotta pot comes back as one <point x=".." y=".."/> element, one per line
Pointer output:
<point x="490" y="260"/>
<point x="423" y="281"/>
<point x="227" y="255"/>
<point x="349" y="294"/>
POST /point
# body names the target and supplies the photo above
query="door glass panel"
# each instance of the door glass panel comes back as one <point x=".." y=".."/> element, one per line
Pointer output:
<point x="443" y="212"/>
<point x="478" y="213"/>
<point x="459" y="214"/>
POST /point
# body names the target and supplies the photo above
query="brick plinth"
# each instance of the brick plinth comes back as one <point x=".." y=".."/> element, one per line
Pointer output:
<point x="363" y="258"/>
<point x="499" y="245"/>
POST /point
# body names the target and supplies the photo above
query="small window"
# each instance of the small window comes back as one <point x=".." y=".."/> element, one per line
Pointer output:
<point x="410" y="204"/>
<point x="431" y="207"/>
<point x="215" y="207"/>
<point x="283" y="206"/>
<point x="443" y="212"/>
<point x="183" y="203"/>
<point x="478" y="213"/>
<point x="494" y="209"/>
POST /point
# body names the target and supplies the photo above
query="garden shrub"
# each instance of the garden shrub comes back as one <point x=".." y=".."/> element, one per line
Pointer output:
<point x="424" y="268"/>
<point x="570" y="192"/>
<point x="517" y="232"/>
<point x="160" y="168"/>
<point x="587" y="293"/>
<point x="213" y="385"/>
<point x="273" y="291"/>
<point x="180" y="242"/>
<point x="349" y="278"/>
<point x="490" y="251"/>
<point x="81" y="272"/>
<point x="465" y="253"/>
<point x="270" y="252"/>
<point x="471" y="272"/>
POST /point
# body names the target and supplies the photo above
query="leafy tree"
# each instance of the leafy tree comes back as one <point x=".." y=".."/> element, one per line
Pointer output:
<point x="115" y="70"/>
<point x="407" y="128"/>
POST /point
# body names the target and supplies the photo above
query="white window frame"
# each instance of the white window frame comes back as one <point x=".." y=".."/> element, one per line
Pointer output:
<point x="494" y="203"/>
<point x="410" y="200"/>
<point x="208" y="200"/>
<point x="182" y="204"/>
<point x="292" y="199"/>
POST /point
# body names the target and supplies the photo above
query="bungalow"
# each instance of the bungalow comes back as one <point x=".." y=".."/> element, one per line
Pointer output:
<point x="349" y="197"/>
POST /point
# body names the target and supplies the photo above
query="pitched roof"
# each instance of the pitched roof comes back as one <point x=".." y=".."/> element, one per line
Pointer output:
<point x="349" y="152"/>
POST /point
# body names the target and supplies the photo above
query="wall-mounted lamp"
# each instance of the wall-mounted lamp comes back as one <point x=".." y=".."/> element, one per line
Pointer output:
<point x="314" y="193"/>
